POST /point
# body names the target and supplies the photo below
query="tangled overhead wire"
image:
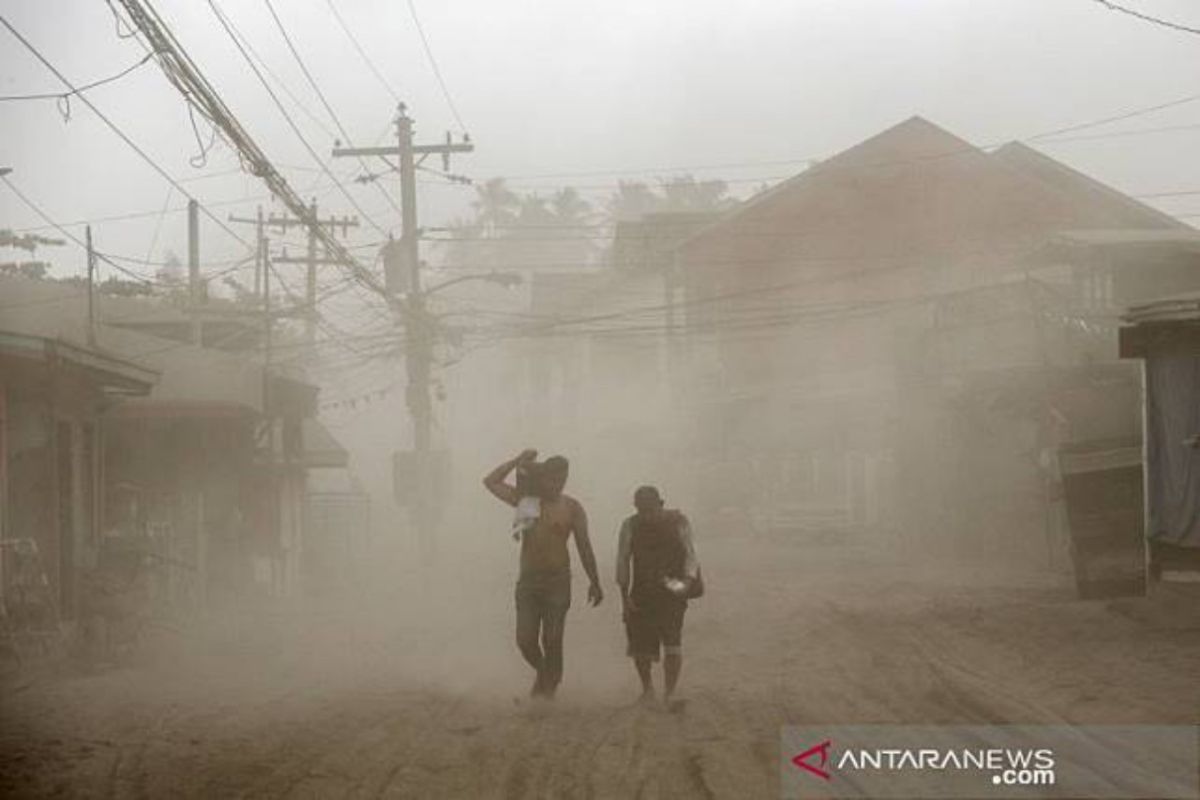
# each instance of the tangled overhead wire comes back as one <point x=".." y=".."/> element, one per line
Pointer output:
<point x="62" y="100"/>
<point x="124" y="29"/>
<point x="200" y="160"/>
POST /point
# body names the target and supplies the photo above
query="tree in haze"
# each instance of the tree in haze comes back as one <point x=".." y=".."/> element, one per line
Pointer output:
<point x="569" y="207"/>
<point x="682" y="193"/>
<point x="35" y="270"/>
<point x="41" y="270"/>
<point x="29" y="242"/>
<point x="631" y="200"/>
<point x="496" y="206"/>
<point x="511" y="230"/>
<point x="533" y="212"/>
<point x="685" y="193"/>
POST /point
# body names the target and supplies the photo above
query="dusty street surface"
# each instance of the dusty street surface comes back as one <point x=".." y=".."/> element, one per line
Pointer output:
<point x="390" y="704"/>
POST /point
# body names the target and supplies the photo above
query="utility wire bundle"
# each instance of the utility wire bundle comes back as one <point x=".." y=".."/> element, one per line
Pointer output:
<point x="182" y="72"/>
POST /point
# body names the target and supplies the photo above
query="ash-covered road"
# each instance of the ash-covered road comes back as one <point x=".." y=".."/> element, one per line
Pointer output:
<point x="420" y="696"/>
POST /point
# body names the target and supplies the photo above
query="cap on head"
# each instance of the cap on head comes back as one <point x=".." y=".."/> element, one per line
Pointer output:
<point x="647" y="498"/>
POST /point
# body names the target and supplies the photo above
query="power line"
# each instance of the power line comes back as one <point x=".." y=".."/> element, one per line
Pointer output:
<point x="321" y="96"/>
<point x="228" y="27"/>
<point x="283" y="85"/>
<point x="668" y="173"/>
<point x="84" y="88"/>
<point x="604" y="225"/>
<point x="598" y="226"/>
<point x="37" y="210"/>
<point x="112" y="258"/>
<point x="814" y="160"/>
<point x="872" y="268"/>
<point x="1116" y="118"/>
<point x="162" y="216"/>
<point x="1120" y="134"/>
<point x="675" y="172"/>
<point x="113" y="127"/>
<point x="132" y="215"/>
<point x="149" y="262"/>
<point x="362" y="53"/>
<point x="437" y="72"/>
<point x="745" y="319"/>
<point x="336" y="335"/>
<point x="191" y="83"/>
<point x="1147" y="17"/>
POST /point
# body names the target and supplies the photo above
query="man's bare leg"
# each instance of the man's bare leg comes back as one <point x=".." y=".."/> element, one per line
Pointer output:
<point x="529" y="624"/>
<point x="672" y="665"/>
<point x="643" y="670"/>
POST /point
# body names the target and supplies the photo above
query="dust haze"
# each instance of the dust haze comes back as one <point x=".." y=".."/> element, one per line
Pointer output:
<point x="894" y="303"/>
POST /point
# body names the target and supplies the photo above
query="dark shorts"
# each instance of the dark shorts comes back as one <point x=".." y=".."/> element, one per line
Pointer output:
<point x="656" y="623"/>
<point x="541" y="594"/>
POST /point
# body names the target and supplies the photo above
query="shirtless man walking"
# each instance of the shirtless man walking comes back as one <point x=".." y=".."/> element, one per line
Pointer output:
<point x="544" y="586"/>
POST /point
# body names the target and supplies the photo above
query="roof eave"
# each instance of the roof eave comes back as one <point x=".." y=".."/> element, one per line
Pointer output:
<point x="110" y="371"/>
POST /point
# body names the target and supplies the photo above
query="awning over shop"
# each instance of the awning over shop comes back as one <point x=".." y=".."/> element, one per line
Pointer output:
<point x="108" y="371"/>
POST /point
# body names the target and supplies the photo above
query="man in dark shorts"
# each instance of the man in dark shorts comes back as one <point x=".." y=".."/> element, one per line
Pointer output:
<point x="656" y="563"/>
<point x="544" y="586"/>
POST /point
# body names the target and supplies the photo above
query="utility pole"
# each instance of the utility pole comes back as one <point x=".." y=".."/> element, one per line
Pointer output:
<point x="284" y="223"/>
<point x="260" y="266"/>
<point x="194" y="296"/>
<point x="265" y="255"/>
<point x="419" y="327"/>
<point x="310" y="281"/>
<point x="91" y="289"/>
<point x="259" y="234"/>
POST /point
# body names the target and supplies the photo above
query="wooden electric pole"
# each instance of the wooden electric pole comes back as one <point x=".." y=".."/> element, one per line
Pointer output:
<point x="312" y="260"/>
<point x="259" y="237"/>
<point x="194" y="291"/>
<point x="419" y="327"/>
<point x="91" y="289"/>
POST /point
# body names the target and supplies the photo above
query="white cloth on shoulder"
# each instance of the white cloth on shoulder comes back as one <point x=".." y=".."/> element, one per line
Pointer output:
<point x="529" y="508"/>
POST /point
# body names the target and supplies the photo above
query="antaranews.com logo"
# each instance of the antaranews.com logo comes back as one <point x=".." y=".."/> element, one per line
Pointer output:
<point x="1006" y="767"/>
<point x="1019" y="761"/>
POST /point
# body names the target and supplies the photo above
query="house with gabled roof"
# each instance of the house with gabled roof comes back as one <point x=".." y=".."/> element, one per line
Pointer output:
<point x="903" y="335"/>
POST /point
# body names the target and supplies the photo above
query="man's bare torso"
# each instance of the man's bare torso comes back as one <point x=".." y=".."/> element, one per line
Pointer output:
<point x="544" y="546"/>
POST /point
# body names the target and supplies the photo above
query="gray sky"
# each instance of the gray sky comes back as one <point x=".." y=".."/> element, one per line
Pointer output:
<point x="631" y="88"/>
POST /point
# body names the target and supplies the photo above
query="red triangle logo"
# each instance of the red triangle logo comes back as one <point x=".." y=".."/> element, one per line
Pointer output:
<point x="821" y="750"/>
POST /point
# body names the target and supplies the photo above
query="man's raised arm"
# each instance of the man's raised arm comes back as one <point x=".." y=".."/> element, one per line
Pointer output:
<point x="496" y="482"/>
